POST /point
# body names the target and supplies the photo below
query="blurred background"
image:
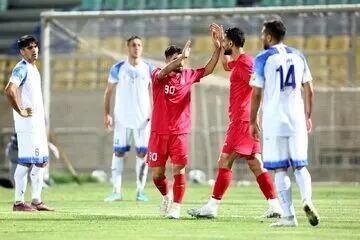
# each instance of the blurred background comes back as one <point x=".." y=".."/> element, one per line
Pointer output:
<point x="83" y="48"/>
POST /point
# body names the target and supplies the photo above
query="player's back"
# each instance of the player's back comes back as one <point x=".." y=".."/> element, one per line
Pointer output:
<point x="284" y="70"/>
<point x="240" y="90"/>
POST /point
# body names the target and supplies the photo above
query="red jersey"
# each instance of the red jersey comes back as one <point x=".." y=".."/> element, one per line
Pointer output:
<point x="240" y="90"/>
<point x="171" y="101"/>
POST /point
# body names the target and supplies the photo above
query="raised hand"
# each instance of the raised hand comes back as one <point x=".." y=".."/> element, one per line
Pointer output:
<point x="186" y="50"/>
<point x="215" y="36"/>
<point x="219" y="30"/>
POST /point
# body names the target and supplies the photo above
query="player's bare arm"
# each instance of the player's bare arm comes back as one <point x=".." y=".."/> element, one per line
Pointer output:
<point x="108" y="121"/>
<point x="11" y="94"/>
<point x="175" y="63"/>
<point x="211" y="64"/>
<point x="225" y="59"/>
<point x="255" y="105"/>
<point x="308" y="100"/>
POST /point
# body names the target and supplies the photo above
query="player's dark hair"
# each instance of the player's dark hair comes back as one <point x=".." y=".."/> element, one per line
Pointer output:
<point x="26" y="40"/>
<point x="236" y="35"/>
<point x="171" y="50"/>
<point x="275" y="28"/>
<point x="132" y="38"/>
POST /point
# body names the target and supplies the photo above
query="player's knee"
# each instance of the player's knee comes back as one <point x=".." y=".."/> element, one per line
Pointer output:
<point x="119" y="154"/>
<point x="158" y="173"/>
<point x="224" y="161"/>
<point x="280" y="170"/>
<point x="41" y="165"/>
<point x="25" y="164"/>
<point x="255" y="166"/>
<point x="140" y="155"/>
<point x="178" y="169"/>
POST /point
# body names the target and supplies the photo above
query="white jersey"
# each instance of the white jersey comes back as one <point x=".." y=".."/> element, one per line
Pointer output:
<point x="281" y="71"/>
<point x="132" y="102"/>
<point x="27" y="77"/>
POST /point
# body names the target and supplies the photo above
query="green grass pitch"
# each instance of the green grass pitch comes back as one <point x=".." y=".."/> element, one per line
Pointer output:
<point x="82" y="214"/>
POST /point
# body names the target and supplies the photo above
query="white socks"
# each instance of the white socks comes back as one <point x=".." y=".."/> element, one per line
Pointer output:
<point x="117" y="167"/>
<point x="303" y="180"/>
<point x="20" y="176"/>
<point x="141" y="169"/>
<point x="37" y="182"/>
<point x="283" y="187"/>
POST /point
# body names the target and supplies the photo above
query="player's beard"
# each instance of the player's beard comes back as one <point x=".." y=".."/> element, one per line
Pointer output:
<point x="178" y="70"/>
<point x="228" y="51"/>
<point x="266" y="46"/>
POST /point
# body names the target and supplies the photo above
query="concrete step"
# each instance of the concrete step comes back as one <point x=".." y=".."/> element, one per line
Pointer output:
<point x="63" y="4"/>
<point x="17" y="15"/>
<point x="20" y="28"/>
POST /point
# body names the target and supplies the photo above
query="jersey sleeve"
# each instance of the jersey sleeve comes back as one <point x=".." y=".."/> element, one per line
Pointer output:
<point x="231" y="64"/>
<point x="307" y="77"/>
<point x="114" y="75"/>
<point x="114" y="72"/>
<point x="258" y="77"/>
<point x="154" y="75"/>
<point x="151" y="68"/>
<point x="18" y="75"/>
<point x="196" y="74"/>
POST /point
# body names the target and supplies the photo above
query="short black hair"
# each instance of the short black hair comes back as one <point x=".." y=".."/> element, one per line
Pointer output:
<point x="171" y="50"/>
<point x="132" y="38"/>
<point x="275" y="28"/>
<point x="26" y="40"/>
<point x="236" y="35"/>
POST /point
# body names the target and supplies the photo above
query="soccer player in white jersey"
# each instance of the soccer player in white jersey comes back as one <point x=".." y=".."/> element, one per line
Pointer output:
<point x="24" y="95"/>
<point x="132" y="110"/>
<point x="280" y="74"/>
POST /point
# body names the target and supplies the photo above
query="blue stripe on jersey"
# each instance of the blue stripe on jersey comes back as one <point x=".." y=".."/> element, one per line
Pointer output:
<point x="151" y="67"/>
<point x="20" y="72"/>
<point x="261" y="59"/>
<point x="33" y="160"/>
<point x="114" y="71"/>
<point x="271" y="165"/>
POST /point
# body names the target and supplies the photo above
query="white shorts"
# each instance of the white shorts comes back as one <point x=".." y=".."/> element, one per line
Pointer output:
<point x="122" y="138"/>
<point x="283" y="152"/>
<point x="33" y="147"/>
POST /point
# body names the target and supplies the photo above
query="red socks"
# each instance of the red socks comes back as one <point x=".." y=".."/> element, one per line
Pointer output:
<point x="222" y="183"/>
<point x="162" y="185"/>
<point x="266" y="185"/>
<point x="179" y="187"/>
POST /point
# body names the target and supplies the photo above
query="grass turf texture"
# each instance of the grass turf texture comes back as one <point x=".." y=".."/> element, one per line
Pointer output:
<point x="82" y="214"/>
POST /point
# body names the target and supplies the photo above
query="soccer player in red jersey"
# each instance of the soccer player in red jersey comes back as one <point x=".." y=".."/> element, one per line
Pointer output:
<point x="170" y="123"/>
<point x="238" y="142"/>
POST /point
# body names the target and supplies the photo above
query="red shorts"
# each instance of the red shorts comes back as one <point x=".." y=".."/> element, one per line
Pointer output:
<point x="161" y="147"/>
<point x="239" y="140"/>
